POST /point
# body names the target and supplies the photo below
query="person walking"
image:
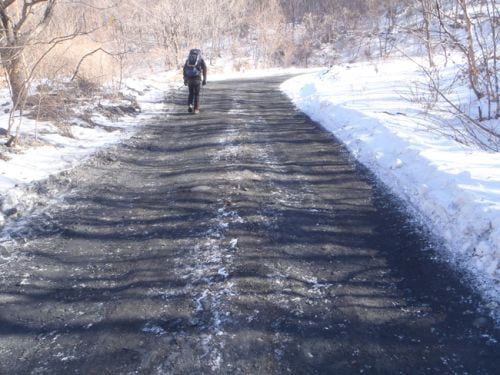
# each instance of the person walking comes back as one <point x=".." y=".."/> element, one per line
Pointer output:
<point x="194" y="70"/>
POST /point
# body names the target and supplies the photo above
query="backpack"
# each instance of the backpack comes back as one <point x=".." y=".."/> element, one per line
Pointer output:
<point x="192" y="68"/>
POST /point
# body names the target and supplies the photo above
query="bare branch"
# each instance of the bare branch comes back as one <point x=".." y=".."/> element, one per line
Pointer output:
<point x="27" y="6"/>
<point x="90" y="54"/>
<point x="458" y="110"/>
<point x="6" y="3"/>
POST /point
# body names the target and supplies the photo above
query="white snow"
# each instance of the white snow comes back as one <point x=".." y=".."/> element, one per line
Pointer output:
<point x="455" y="189"/>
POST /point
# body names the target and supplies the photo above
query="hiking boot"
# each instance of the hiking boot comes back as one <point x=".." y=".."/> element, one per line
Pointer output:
<point x="190" y="108"/>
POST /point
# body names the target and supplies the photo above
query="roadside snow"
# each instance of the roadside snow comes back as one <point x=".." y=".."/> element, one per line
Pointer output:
<point x="52" y="152"/>
<point x="455" y="189"/>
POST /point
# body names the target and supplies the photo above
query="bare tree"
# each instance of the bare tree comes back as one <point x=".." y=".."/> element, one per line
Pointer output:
<point x="479" y="47"/>
<point x="17" y="30"/>
<point x="426" y="8"/>
<point x="493" y="13"/>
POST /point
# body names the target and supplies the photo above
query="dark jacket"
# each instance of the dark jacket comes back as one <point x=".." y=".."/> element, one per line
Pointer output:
<point x="203" y="70"/>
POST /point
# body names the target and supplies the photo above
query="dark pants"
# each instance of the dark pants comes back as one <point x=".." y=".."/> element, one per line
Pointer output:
<point x="194" y="86"/>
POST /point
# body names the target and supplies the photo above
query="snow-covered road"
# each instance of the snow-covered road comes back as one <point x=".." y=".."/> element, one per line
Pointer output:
<point x="244" y="240"/>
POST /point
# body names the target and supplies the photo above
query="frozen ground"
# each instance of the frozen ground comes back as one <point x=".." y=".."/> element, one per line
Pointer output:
<point x="453" y="189"/>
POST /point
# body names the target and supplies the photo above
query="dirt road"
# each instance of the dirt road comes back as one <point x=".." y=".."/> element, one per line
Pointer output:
<point x="243" y="240"/>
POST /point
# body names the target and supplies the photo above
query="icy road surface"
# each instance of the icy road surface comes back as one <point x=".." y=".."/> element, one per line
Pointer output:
<point x="243" y="240"/>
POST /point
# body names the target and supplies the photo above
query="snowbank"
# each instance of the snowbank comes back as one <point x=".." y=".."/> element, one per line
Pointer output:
<point x="454" y="188"/>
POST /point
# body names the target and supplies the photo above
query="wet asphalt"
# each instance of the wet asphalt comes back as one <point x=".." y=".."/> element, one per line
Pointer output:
<point x="243" y="240"/>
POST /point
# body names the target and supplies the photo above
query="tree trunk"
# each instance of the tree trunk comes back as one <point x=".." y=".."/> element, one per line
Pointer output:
<point x="16" y="74"/>
<point x="471" y="53"/>
<point x="493" y="17"/>
<point x="426" y="12"/>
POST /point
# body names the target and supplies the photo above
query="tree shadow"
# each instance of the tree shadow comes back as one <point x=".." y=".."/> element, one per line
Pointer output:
<point x="329" y="274"/>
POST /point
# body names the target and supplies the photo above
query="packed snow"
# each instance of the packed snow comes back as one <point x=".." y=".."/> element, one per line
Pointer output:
<point x="453" y="188"/>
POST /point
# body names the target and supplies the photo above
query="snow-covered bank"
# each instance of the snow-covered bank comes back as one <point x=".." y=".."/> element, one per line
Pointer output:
<point x="51" y="152"/>
<point x="455" y="189"/>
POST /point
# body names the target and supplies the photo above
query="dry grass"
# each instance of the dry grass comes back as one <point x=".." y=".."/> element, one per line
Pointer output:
<point x="63" y="61"/>
<point x="56" y="102"/>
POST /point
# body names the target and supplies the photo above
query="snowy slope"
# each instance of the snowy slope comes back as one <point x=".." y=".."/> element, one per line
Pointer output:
<point x="454" y="189"/>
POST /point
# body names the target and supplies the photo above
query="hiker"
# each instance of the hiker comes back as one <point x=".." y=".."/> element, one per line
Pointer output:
<point x="193" y="69"/>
